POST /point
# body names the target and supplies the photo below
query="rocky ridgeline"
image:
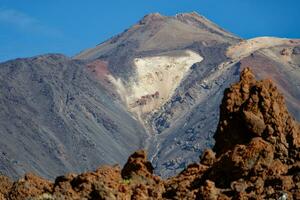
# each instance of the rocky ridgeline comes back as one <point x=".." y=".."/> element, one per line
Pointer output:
<point x="256" y="156"/>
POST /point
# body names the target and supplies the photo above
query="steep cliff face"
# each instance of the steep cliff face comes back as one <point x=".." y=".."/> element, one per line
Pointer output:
<point x="256" y="156"/>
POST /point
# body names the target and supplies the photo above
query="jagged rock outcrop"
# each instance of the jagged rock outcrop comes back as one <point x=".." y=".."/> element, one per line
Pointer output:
<point x="251" y="109"/>
<point x="256" y="156"/>
<point x="137" y="164"/>
<point x="134" y="181"/>
<point x="257" y="146"/>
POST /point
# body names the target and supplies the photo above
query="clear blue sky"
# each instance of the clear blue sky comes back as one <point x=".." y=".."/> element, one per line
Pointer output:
<point x="31" y="27"/>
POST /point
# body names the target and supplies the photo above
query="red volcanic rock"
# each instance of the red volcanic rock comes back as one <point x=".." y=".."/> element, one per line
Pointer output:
<point x="242" y="161"/>
<point x="256" y="156"/>
<point x="99" y="68"/>
<point x="257" y="146"/>
<point x="29" y="187"/>
<point x="137" y="164"/>
<point x="211" y="192"/>
<point x="253" y="108"/>
<point x="5" y="187"/>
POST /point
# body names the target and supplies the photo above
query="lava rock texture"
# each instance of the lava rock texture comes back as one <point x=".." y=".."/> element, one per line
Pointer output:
<point x="256" y="156"/>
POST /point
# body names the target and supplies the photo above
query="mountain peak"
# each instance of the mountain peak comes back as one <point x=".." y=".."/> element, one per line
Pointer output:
<point x="156" y="32"/>
<point x="151" y="17"/>
<point x="157" y="17"/>
<point x="190" y="14"/>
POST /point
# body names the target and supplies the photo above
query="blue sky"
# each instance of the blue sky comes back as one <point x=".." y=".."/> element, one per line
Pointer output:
<point x="32" y="27"/>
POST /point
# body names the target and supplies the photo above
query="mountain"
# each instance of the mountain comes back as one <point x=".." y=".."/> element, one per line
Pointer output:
<point x="157" y="85"/>
<point x="56" y="118"/>
<point x="256" y="156"/>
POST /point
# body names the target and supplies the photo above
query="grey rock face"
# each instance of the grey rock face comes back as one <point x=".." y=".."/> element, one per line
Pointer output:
<point x="56" y="118"/>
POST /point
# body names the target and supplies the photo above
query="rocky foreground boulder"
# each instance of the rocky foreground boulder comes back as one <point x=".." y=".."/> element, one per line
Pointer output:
<point x="256" y="156"/>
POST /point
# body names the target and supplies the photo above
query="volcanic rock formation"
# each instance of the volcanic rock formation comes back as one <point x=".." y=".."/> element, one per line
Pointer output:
<point x="256" y="156"/>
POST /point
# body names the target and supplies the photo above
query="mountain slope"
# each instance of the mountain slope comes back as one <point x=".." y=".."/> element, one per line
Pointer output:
<point x="57" y="118"/>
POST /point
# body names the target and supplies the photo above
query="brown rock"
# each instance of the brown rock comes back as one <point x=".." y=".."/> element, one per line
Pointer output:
<point x="254" y="123"/>
<point x="242" y="161"/>
<point x="137" y="164"/>
<point x="277" y="168"/>
<point x="5" y="186"/>
<point x="260" y="112"/>
<point x="208" y="157"/>
<point x="209" y="191"/>
<point x="238" y="186"/>
<point x="30" y="186"/>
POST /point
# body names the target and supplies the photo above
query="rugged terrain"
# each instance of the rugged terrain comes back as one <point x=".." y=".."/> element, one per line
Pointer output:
<point x="256" y="156"/>
<point x="158" y="85"/>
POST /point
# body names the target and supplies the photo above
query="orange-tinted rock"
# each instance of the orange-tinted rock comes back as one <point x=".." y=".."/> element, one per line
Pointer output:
<point x="208" y="157"/>
<point x="210" y="192"/>
<point x="242" y="161"/>
<point x="5" y="186"/>
<point x="30" y="186"/>
<point x="253" y="108"/>
<point x="137" y="164"/>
